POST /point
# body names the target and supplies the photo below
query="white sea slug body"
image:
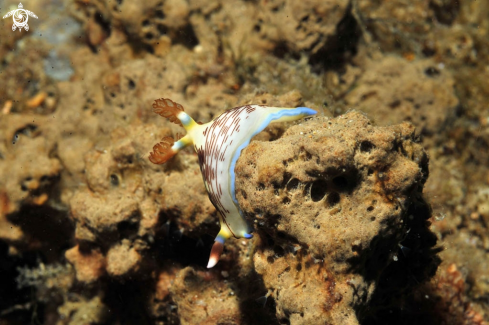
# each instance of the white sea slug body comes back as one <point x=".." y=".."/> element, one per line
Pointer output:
<point x="218" y="145"/>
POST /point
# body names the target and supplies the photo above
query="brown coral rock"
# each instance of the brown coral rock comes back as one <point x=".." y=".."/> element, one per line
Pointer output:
<point x="127" y="199"/>
<point x="150" y="22"/>
<point x="393" y="90"/>
<point x="302" y="25"/>
<point x="89" y="265"/>
<point x="307" y="279"/>
<point x="92" y="311"/>
<point x="204" y="299"/>
<point x="24" y="183"/>
<point x="161" y="302"/>
<point x="452" y="303"/>
<point x="122" y="259"/>
<point x="396" y="23"/>
<point x="333" y="199"/>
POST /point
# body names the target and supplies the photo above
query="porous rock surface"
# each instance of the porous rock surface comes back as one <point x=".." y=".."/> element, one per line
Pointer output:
<point x="332" y="200"/>
<point x="204" y="299"/>
<point x="301" y="25"/>
<point x="105" y="237"/>
<point x="121" y="210"/>
<point x="386" y="92"/>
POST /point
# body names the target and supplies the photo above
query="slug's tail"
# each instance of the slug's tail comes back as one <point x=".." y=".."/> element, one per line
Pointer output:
<point x="216" y="252"/>
<point x="218" y="246"/>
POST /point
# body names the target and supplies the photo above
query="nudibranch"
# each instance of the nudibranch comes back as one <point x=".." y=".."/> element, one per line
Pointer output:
<point x="218" y="145"/>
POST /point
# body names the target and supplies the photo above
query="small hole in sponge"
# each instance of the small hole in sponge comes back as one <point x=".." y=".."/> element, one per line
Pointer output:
<point x="114" y="180"/>
<point x="341" y="182"/>
<point x="286" y="201"/>
<point x="160" y="14"/>
<point x="127" y="229"/>
<point x="281" y="234"/>
<point x="318" y="190"/>
<point x="279" y="251"/>
<point x="162" y="29"/>
<point x="395" y="104"/>
<point x="431" y="72"/>
<point x="370" y="208"/>
<point x="333" y="199"/>
<point x="293" y="184"/>
<point x="366" y="146"/>
<point x="285" y="321"/>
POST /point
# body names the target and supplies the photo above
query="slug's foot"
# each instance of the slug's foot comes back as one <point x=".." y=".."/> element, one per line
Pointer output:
<point x="216" y="252"/>
<point x="169" y="109"/>
<point x="162" y="151"/>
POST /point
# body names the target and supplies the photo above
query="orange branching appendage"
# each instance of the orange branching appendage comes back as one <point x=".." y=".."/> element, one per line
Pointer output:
<point x="162" y="151"/>
<point x="169" y="109"/>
